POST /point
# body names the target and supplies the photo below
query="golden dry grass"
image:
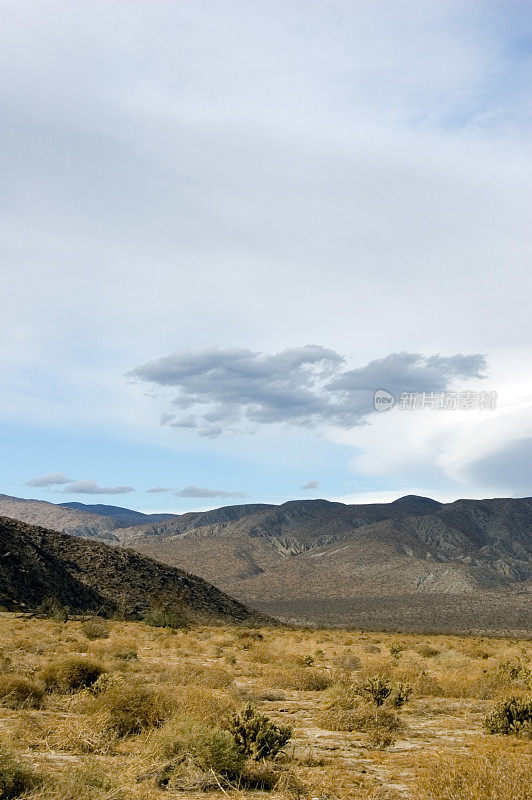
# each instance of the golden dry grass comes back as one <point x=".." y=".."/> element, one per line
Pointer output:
<point x="155" y="724"/>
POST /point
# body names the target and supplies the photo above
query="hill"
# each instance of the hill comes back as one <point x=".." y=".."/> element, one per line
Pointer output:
<point x="125" y="516"/>
<point x="90" y="521"/>
<point x="37" y="564"/>
<point x="414" y="562"/>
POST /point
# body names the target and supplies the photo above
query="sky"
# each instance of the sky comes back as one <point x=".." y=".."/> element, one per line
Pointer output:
<point x="226" y="225"/>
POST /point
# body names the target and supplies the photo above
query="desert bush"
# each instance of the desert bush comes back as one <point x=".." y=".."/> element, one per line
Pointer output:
<point x="51" y="608"/>
<point x="345" y="710"/>
<point x="167" y="616"/>
<point x="400" y="694"/>
<point x="347" y="662"/>
<point x="131" y="709"/>
<point x="16" y="691"/>
<point x="104" y="682"/>
<point x="201" y="675"/>
<point x="487" y="774"/>
<point x="216" y="750"/>
<point x="511" y="716"/>
<point x="302" y="660"/>
<point x="379" y="738"/>
<point x="70" y="674"/>
<point x="427" y="651"/>
<point x="378" y="689"/>
<point x="304" y="679"/>
<point x="79" y="733"/>
<point x="95" y="629"/>
<point x="16" y="778"/>
<point x="513" y="672"/>
<point x="257" y="736"/>
<point x="124" y="651"/>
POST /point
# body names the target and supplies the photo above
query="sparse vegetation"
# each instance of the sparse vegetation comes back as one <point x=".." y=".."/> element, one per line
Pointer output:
<point x="215" y="711"/>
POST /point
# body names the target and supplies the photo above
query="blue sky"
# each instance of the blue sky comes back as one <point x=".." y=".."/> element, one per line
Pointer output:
<point x="225" y="225"/>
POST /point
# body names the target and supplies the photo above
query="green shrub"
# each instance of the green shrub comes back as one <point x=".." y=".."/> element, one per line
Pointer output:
<point x="16" y="778"/>
<point x="16" y="691"/>
<point x="257" y="736"/>
<point x="511" y="716"/>
<point x="70" y="674"/>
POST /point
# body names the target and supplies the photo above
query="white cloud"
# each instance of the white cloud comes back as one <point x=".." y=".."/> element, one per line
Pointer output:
<point x="52" y="479"/>
<point x="91" y="487"/>
<point x="196" y="491"/>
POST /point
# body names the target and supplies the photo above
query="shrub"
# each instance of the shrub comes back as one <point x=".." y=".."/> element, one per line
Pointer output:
<point x="511" y="716"/>
<point x="378" y="689"/>
<point x="515" y="672"/>
<point x="379" y="738"/>
<point x="427" y="651"/>
<point x="71" y="673"/>
<point x="165" y="616"/>
<point x="131" y="709"/>
<point x="95" y="629"/>
<point x="202" y="675"/>
<point x="216" y="750"/>
<point x="52" y="609"/>
<point x="15" y="778"/>
<point x="400" y="695"/>
<point x="347" y="662"/>
<point x="304" y="679"/>
<point x="257" y="736"/>
<point x="19" y="692"/>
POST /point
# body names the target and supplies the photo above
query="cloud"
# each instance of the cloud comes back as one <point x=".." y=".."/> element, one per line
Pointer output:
<point x="158" y="489"/>
<point x="311" y="485"/>
<point x="227" y="390"/>
<point x="91" y="487"/>
<point x="196" y="491"/>
<point x="508" y="468"/>
<point x="49" y="480"/>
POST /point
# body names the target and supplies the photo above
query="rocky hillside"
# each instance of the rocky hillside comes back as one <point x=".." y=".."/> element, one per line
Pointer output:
<point x="304" y="556"/>
<point x="90" y="521"/>
<point x="408" y="561"/>
<point x="38" y="564"/>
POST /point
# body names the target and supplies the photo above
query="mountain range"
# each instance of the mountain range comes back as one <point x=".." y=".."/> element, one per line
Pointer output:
<point x="414" y="563"/>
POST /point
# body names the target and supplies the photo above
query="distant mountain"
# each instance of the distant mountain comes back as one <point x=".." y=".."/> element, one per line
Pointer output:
<point x="36" y="564"/>
<point x="411" y="563"/>
<point x="318" y="561"/>
<point x="125" y="516"/>
<point x="89" y="521"/>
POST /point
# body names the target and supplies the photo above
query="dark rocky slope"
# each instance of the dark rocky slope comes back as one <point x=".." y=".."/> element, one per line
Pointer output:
<point x="37" y="564"/>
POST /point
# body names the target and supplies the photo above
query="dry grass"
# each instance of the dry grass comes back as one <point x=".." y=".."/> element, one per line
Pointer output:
<point x="144" y="712"/>
<point x="17" y="691"/>
<point x="486" y="773"/>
